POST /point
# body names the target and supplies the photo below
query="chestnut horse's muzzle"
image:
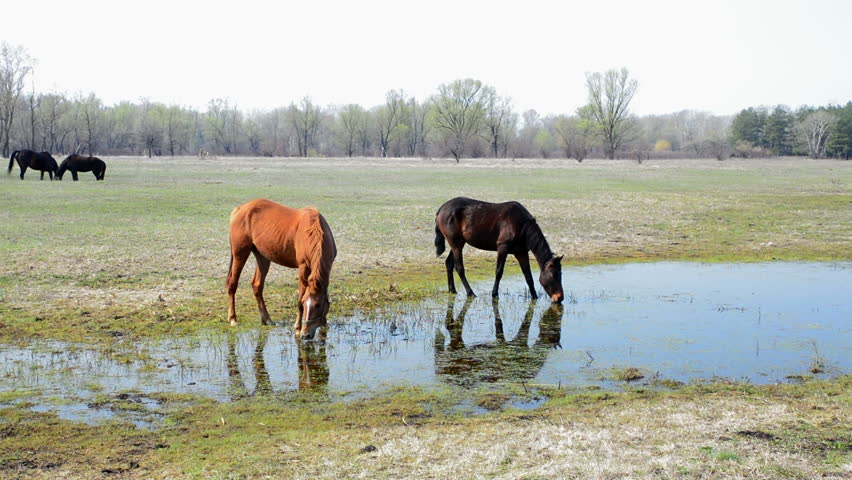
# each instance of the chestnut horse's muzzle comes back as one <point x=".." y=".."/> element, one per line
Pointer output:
<point x="557" y="297"/>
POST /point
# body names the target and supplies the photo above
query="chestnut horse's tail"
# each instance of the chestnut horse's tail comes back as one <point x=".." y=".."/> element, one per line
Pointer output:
<point x="230" y="246"/>
<point x="12" y="161"/>
<point x="440" y="246"/>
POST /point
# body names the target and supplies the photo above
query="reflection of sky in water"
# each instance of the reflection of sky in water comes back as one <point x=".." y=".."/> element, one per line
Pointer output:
<point x="759" y="322"/>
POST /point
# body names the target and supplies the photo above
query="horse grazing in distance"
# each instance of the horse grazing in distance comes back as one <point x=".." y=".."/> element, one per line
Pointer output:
<point x="78" y="163"/>
<point x="507" y="228"/>
<point x="295" y="238"/>
<point x="42" y="161"/>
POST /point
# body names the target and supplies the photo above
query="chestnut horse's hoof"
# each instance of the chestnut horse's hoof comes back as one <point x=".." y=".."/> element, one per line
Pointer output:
<point x="233" y="322"/>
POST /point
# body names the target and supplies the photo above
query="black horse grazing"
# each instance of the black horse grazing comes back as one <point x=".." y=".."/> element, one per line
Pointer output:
<point x="78" y="163"/>
<point x="42" y="161"/>
<point x="502" y="227"/>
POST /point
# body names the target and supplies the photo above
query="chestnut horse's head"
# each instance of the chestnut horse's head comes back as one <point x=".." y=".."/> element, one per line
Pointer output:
<point x="314" y="312"/>
<point x="551" y="279"/>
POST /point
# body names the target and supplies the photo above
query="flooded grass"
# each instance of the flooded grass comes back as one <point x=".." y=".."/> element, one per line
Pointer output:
<point x="755" y="323"/>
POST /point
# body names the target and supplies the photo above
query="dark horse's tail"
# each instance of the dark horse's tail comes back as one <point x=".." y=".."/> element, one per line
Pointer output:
<point x="440" y="246"/>
<point x="12" y="161"/>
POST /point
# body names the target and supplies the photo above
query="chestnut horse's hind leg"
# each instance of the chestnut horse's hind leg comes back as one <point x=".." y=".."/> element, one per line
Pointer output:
<point x="451" y="284"/>
<point x="457" y="253"/>
<point x="238" y="261"/>
<point x="501" y="262"/>
<point x="257" y="284"/>
<point x="524" y="261"/>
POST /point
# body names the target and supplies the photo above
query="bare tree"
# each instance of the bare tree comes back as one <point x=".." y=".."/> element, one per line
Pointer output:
<point x="87" y="122"/>
<point x="151" y="128"/>
<point x="498" y="111"/>
<point x="389" y="117"/>
<point x="814" y="131"/>
<point x="15" y="65"/>
<point x="610" y="94"/>
<point x="416" y="113"/>
<point x="305" y="119"/>
<point x="574" y="135"/>
<point x="350" y="121"/>
<point x="459" y="109"/>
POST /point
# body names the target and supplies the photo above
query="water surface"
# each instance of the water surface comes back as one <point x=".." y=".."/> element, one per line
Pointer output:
<point x="760" y="323"/>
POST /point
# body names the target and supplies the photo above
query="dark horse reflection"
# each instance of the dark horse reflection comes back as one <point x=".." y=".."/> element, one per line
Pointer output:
<point x="313" y="369"/>
<point x="501" y="360"/>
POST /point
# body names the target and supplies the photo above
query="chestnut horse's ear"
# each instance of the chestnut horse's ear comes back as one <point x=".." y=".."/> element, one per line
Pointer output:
<point x="558" y="259"/>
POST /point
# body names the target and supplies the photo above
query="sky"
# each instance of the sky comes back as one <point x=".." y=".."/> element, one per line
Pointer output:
<point x="715" y="56"/>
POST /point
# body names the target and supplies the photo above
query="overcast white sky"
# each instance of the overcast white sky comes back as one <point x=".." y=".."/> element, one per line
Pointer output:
<point x="719" y="56"/>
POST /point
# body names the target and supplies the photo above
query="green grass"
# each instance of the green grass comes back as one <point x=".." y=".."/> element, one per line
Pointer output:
<point x="146" y="251"/>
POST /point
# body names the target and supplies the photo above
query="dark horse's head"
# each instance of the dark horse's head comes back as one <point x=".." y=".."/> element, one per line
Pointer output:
<point x="315" y="303"/>
<point x="551" y="279"/>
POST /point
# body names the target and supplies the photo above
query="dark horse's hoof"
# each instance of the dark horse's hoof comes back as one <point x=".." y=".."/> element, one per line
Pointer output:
<point x="471" y="295"/>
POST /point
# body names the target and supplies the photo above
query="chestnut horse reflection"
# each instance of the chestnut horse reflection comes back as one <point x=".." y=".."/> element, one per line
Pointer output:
<point x="507" y="228"/>
<point x="313" y="368"/>
<point x="295" y="238"/>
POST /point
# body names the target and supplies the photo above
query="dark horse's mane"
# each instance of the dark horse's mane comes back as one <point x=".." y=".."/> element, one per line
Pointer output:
<point x="536" y="242"/>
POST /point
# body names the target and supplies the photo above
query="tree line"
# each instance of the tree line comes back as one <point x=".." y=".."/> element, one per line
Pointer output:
<point x="464" y="118"/>
<point x="812" y="131"/>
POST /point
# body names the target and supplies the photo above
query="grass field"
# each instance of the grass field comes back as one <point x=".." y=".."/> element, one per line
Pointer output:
<point x="152" y="241"/>
<point x="145" y="253"/>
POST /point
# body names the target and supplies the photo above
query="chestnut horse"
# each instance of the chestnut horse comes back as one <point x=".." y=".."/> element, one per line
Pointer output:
<point x="507" y="228"/>
<point x="42" y="161"/>
<point x="295" y="238"/>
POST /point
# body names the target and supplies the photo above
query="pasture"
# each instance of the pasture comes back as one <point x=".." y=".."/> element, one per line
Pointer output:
<point x="142" y="257"/>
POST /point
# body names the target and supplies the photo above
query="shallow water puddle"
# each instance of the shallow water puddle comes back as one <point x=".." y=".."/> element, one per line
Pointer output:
<point x="663" y="322"/>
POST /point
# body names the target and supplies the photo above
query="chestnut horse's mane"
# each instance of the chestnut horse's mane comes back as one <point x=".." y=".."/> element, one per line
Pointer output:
<point x="320" y="264"/>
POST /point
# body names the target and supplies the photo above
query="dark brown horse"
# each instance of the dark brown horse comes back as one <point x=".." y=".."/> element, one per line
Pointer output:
<point x="42" y="161"/>
<point x="295" y="238"/>
<point x="507" y="228"/>
<point x="78" y="163"/>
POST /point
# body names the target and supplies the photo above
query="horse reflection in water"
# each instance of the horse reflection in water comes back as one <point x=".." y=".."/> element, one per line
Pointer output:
<point x="313" y="369"/>
<point x="499" y="361"/>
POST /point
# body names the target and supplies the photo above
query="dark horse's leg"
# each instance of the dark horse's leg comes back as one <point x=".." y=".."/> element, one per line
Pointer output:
<point x="238" y="261"/>
<point x="23" y="169"/>
<point x="74" y="175"/>
<point x="524" y="261"/>
<point x="42" y="175"/>
<point x="501" y="262"/>
<point x="257" y="285"/>
<point x="459" y="261"/>
<point x="451" y="284"/>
